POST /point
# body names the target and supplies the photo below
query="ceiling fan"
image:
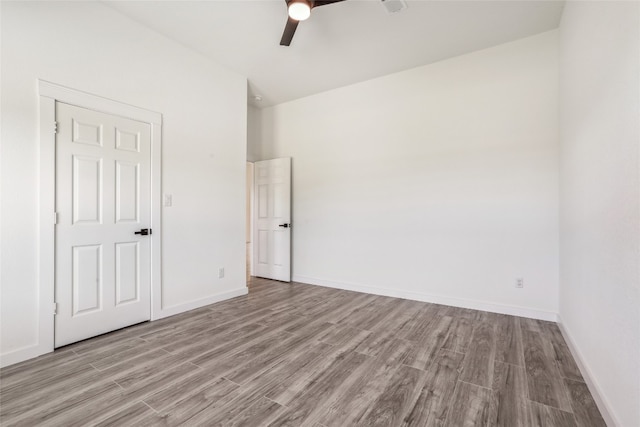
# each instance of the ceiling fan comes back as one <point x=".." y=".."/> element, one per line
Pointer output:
<point x="299" y="10"/>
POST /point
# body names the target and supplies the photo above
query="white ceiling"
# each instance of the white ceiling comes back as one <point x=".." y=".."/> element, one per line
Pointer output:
<point x="340" y="44"/>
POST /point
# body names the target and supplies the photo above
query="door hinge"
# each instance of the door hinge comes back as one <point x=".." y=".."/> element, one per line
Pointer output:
<point x="55" y="127"/>
<point x="55" y="217"/>
<point x="55" y="308"/>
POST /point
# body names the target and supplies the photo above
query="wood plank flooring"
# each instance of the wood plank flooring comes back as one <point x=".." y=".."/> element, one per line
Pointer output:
<point x="301" y="355"/>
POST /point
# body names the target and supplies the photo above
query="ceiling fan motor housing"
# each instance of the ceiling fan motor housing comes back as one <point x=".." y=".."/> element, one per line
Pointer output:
<point x="299" y="10"/>
<point x="394" y="6"/>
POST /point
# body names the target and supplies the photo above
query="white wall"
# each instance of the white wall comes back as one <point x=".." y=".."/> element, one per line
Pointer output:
<point x="254" y="127"/>
<point x="600" y="199"/>
<point x="438" y="183"/>
<point x="90" y="47"/>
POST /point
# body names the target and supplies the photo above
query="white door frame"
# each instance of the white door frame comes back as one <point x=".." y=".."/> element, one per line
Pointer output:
<point x="49" y="93"/>
<point x="251" y="214"/>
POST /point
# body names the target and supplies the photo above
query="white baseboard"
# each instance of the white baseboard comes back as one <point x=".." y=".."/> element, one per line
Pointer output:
<point x="192" y="305"/>
<point x="22" y="354"/>
<point x="589" y="378"/>
<point x="434" y="299"/>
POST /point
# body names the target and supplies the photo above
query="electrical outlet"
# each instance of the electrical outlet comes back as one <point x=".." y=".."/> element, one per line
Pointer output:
<point x="519" y="282"/>
<point x="220" y="273"/>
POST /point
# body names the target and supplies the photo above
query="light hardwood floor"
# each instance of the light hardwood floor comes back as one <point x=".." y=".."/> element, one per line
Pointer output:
<point x="294" y="354"/>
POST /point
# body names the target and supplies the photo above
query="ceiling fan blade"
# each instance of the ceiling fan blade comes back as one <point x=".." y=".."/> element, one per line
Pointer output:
<point x="289" y="31"/>
<point x="318" y="3"/>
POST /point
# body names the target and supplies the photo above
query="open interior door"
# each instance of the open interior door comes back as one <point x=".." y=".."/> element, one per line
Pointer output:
<point x="272" y="228"/>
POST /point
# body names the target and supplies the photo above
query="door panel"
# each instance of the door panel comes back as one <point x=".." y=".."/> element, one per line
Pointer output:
<point x="263" y="248"/>
<point x="87" y="133"/>
<point x="127" y="277"/>
<point x="127" y="191"/>
<point x="87" y="189"/>
<point x="103" y="197"/>
<point x="280" y="238"/>
<point x="262" y="202"/>
<point x="87" y="275"/>
<point x="127" y="140"/>
<point x="272" y="240"/>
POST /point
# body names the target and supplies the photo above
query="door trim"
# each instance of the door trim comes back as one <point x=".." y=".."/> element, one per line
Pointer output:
<point x="49" y="94"/>
<point x="250" y="186"/>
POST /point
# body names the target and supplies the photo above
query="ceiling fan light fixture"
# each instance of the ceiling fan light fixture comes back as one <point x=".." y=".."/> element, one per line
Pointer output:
<point x="299" y="10"/>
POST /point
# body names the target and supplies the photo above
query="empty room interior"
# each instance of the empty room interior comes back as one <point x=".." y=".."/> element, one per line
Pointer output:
<point x="320" y="213"/>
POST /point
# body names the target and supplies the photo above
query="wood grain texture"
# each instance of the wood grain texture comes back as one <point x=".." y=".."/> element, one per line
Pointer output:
<point x="129" y="416"/>
<point x="510" y="406"/>
<point x="429" y="341"/>
<point x="294" y="354"/>
<point x="288" y="382"/>
<point x="350" y="405"/>
<point x="460" y="337"/>
<point x="561" y="354"/>
<point x="397" y="399"/>
<point x="307" y="406"/>
<point x="326" y="389"/>
<point x="183" y="388"/>
<point x="544" y="380"/>
<point x="197" y="404"/>
<point x="478" y="364"/>
<point x="546" y="416"/>
<point x="432" y="404"/>
<point x="471" y="406"/>
<point x="104" y="408"/>
<point x="509" y="341"/>
<point x="344" y="337"/>
<point x="258" y="414"/>
<point x="584" y="407"/>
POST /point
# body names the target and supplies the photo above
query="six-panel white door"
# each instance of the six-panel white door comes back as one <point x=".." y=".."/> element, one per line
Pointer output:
<point x="272" y="230"/>
<point x="103" y="180"/>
